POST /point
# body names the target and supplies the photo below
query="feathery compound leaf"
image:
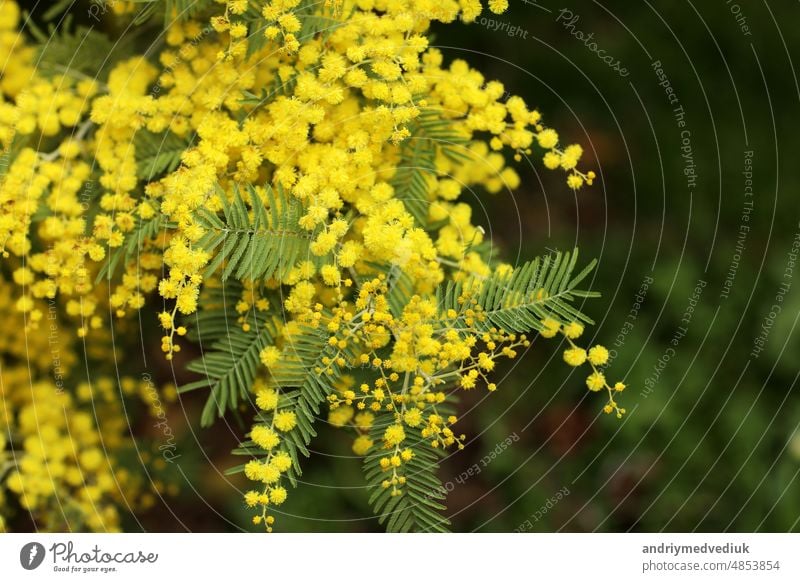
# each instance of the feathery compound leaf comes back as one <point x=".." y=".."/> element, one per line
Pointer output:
<point x="230" y="366"/>
<point x="430" y="125"/>
<point x="417" y="508"/>
<point x="267" y="244"/>
<point x="143" y="231"/>
<point x="184" y="9"/>
<point x="317" y="18"/>
<point x="544" y="287"/>
<point x="410" y="181"/>
<point x="169" y="10"/>
<point x="429" y="133"/>
<point x="158" y="153"/>
<point x="78" y="50"/>
<point x="217" y="315"/>
<point x="304" y="380"/>
<point x="57" y="8"/>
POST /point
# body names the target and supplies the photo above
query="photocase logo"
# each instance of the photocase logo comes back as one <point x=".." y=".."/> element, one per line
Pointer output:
<point x="31" y="555"/>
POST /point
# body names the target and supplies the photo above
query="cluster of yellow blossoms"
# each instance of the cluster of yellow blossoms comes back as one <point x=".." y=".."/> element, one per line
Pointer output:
<point x="64" y="444"/>
<point x="331" y="127"/>
<point x="597" y="356"/>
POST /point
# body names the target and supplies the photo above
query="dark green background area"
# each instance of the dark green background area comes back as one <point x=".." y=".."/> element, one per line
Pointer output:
<point x="711" y="441"/>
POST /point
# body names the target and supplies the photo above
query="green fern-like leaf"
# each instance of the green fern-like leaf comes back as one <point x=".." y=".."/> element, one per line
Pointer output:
<point x="304" y="382"/>
<point x="256" y="25"/>
<point x="316" y="19"/>
<point x="430" y="133"/>
<point x="143" y="230"/>
<point x="410" y="181"/>
<point x="544" y="287"/>
<point x="418" y="508"/>
<point x="158" y="153"/>
<point x="229" y="368"/>
<point x="56" y="8"/>
<point x="79" y="51"/>
<point x="170" y="10"/>
<point x="431" y="125"/>
<point x="217" y="314"/>
<point x="267" y="244"/>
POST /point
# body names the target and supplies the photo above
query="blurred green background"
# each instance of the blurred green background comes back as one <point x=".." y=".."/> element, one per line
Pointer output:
<point x="711" y="438"/>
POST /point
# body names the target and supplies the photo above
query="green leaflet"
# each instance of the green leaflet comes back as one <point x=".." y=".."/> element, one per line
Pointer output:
<point x="267" y="244"/>
<point x="430" y="133"/>
<point x="544" y="287"/>
<point x="303" y="390"/>
<point x="418" y="508"/>
<point x="158" y="153"/>
<point x="170" y="10"/>
<point x="230" y="365"/>
<point x="144" y="230"/>
<point x="78" y="51"/>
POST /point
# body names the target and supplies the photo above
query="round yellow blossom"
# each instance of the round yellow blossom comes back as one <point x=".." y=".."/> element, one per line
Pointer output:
<point x="237" y="6"/>
<point x="364" y="420"/>
<point x="596" y="381"/>
<point x="547" y="138"/>
<point x="550" y="328"/>
<point x="268" y="473"/>
<point x="266" y="399"/>
<point x="264" y="437"/>
<point x="285" y="420"/>
<point x="330" y="275"/>
<point x="277" y="495"/>
<point x="251" y="498"/>
<point x="598" y="355"/>
<point x="570" y="157"/>
<point x="573" y="330"/>
<point x="575" y="356"/>
<point x="238" y="30"/>
<point x="362" y="445"/>
<point x="574" y="181"/>
<point x="551" y="160"/>
<point x="498" y="6"/>
<point x="282" y="461"/>
<point x="269" y="356"/>
<point x="394" y="434"/>
<point x="412" y="417"/>
<point x="340" y="416"/>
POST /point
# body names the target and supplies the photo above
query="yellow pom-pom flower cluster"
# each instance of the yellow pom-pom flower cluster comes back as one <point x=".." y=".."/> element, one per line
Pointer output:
<point x="298" y="168"/>
<point x="597" y="356"/>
